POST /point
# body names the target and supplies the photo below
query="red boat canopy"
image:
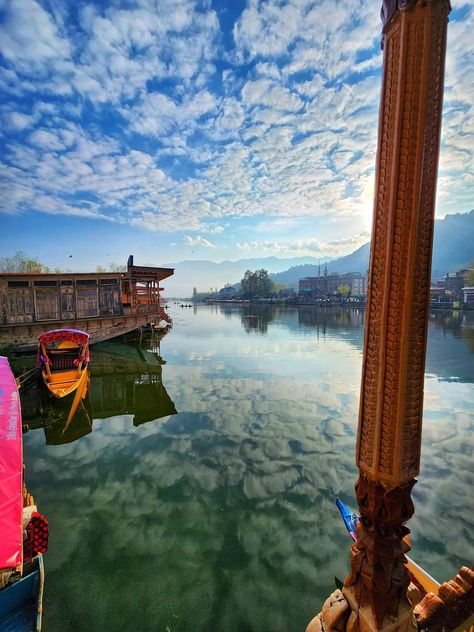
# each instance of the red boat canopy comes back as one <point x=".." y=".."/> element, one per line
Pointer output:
<point x="59" y="335"/>
<point x="11" y="470"/>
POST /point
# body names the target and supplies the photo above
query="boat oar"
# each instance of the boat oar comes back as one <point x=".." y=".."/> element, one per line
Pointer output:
<point x="24" y="377"/>
<point x="77" y="399"/>
<point x="87" y="414"/>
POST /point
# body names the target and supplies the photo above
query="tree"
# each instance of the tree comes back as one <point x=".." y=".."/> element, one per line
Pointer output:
<point x="256" y="284"/>
<point x="100" y="269"/>
<point x="344" y="290"/>
<point x="20" y="262"/>
<point x="117" y="267"/>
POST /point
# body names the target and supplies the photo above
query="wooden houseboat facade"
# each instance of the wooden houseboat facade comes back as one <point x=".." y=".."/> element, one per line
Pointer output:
<point x="105" y="304"/>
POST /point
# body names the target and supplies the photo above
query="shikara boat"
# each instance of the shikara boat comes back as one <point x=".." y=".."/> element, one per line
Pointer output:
<point x="23" y="531"/>
<point x="63" y="356"/>
<point x="418" y="576"/>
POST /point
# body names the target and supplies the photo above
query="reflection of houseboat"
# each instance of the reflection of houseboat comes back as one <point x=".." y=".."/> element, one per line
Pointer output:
<point x="105" y="304"/>
<point x="125" y="380"/>
<point x="142" y="396"/>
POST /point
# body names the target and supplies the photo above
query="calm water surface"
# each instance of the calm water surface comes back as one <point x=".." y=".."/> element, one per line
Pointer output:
<point x="203" y="497"/>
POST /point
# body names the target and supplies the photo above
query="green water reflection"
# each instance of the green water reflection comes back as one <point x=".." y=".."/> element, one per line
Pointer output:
<point x="203" y="497"/>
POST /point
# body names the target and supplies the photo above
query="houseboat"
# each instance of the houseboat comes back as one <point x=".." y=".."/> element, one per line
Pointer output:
<point x="104" y="304"/>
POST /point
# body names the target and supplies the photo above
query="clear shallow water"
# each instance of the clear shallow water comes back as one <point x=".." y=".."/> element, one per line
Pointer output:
<point x="221" y="516"/>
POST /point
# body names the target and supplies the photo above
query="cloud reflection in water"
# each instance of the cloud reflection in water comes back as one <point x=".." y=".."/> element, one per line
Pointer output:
<point x="222" y="517"/>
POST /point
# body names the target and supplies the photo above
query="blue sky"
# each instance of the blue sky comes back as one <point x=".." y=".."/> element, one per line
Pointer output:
<point x="218" y="129"/>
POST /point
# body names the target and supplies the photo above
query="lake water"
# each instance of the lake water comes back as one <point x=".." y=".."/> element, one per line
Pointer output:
<point x="203" y="498"/>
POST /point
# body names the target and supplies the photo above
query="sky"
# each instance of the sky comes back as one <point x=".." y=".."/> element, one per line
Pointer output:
<point x="211" y="129"/>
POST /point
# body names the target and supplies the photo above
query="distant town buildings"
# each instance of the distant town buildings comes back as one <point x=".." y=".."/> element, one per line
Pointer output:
<point x="455" y="281"/>
<point x="453" y="289"/>
<point x="323" y="286"/>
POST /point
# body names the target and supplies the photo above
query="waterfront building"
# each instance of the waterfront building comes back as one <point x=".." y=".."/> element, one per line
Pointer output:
<point x="454" y="282"/>
<point x="328" y="284"/>
<point x="105" y="304"/>
<point x="468" y="296"/>
<point x="450" y="288"/>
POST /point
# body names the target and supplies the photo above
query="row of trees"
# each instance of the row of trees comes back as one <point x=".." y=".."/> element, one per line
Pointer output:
<point x="21" y="262"/>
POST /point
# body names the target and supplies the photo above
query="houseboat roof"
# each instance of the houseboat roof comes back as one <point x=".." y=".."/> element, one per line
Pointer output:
<point x="135" y="272"/>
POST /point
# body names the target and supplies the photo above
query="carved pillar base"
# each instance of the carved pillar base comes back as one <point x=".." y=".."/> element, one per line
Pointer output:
<point x="341" y="613"/>
<point x="378" y="571"/>
<point x="362" y="617"/>
<point x="333" y="616"/>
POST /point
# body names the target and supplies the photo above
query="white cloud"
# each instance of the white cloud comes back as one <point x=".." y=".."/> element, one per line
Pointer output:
<point x="20" y="121"/>
<point x="211" y="229"/>
<point x="46" y="140"/>
<point x="267" y="29"/>
<point x="312" y="246"/>
<point x="265" y="92"/>
<point x="290" y="135"/>
<point x="157" y="114"/>
<point x="29" y="38"/>
<point x="198" y="241"/>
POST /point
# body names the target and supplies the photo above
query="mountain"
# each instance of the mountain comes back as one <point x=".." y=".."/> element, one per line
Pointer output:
<point x="357" y="261"/>
<point x="453" y="249"/>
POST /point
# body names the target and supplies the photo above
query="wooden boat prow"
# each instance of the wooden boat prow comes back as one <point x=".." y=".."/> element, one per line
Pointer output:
<point x="21" y="562"/>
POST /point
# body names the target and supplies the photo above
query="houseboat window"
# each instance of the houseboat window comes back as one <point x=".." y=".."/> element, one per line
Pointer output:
<point x="108" y="281"/>
<point x="66" y="282"/>
<point x="45" y="283"/>
<point x="47" y="305"/>
<point x="68" y="302"/>
<point x="87" y="303"/>
<point x="19" y="303"/>
<point x="110" y="303"/>
<point x="86" y="282"/>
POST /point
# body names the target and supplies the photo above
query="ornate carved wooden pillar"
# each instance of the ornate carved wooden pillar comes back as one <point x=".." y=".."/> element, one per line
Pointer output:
<point x="389" y="432"/>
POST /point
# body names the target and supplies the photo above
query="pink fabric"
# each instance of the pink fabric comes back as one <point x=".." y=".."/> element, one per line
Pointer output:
<point x="11" y="470"/>
<point x="58" y="335"/>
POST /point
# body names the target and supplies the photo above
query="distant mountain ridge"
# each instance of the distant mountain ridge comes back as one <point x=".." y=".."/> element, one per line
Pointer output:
<point x="204" y="275"/>
<point x="453" y="249"/>
<point x="357" y="261"/>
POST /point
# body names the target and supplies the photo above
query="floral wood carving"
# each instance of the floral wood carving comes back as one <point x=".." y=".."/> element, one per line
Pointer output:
<point x="390" y="6"/>
<point x="390" y="416"/>
<point x="451" y="607"/>
<point x="389" y="434"/>
<point x="378" y="559"/>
